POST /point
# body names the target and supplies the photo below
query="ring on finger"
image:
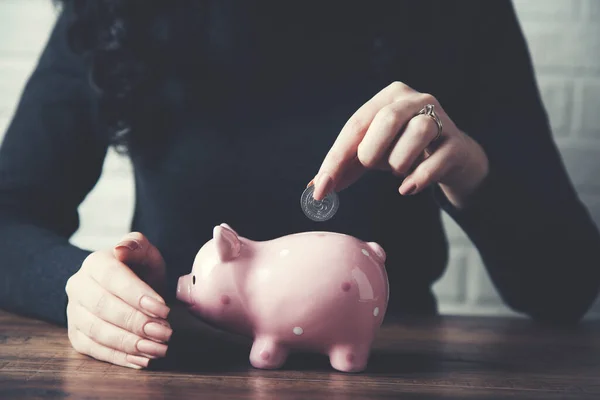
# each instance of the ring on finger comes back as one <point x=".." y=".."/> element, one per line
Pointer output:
<point x="429" y="111"/>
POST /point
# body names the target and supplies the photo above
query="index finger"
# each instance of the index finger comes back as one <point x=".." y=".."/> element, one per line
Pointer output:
<point x="118" y="279"/>
<point x="345" y="148"/>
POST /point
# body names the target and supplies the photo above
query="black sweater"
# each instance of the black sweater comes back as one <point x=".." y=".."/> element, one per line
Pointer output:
<point x="249" y="129"/>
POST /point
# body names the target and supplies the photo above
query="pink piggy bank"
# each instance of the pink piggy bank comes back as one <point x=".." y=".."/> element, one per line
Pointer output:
<point x="318" y="292"/>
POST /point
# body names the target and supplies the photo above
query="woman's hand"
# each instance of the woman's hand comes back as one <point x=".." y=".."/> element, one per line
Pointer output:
<point x="113" y="312"/>
<point x="386" y="133"/>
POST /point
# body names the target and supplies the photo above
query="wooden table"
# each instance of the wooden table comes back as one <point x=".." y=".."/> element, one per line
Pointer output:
<point x="443" y="358"/>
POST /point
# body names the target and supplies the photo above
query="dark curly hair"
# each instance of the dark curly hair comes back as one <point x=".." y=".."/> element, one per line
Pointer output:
<point x="125" y="45"/>
<point x="132" y="48"/>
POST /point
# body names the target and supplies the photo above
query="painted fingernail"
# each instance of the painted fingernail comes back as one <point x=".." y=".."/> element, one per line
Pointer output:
<point x="155" y="307"/>
<point x="323" y="185"/>
<point x="129" y="244"/>
<point x="137" y="361"/>
<point x="158" y="331"/>
<point x="312" y="182"/>
<point x="152" y="348"/>
<point x="407" y="188"/>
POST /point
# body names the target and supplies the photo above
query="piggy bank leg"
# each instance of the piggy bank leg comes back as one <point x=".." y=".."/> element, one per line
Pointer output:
<point x="266" y="353"/>
<point x="349" y="358"/>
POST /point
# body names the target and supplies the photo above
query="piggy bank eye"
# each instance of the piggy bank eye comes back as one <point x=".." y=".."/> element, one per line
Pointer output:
<point x="193" y="279"/>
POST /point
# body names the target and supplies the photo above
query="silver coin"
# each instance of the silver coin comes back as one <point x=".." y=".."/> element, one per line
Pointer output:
<point x="319" y="210"/>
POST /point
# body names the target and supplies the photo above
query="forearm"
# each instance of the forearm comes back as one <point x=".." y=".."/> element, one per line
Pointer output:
<point x="34" y="269"/>
<point x="537" y="240"/>
<point x="542" y="253"/>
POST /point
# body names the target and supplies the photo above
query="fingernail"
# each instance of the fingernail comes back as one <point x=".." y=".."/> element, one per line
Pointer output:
<point x="129" y="244"/>
<point x="137" y="361"/>
<point x="153" y="348"/>
<point x="158" y="331"/>
<point x="155" y="307"/>
<point x="407" y="188"/>
<point x="323" y="185"/>
<point x="312" y="182"/>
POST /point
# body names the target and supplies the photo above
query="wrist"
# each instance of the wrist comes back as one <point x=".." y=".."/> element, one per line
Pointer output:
<point x="472" y="175"/>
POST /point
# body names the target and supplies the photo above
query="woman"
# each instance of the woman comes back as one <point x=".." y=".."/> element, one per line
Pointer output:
<point x="228" y="109"/>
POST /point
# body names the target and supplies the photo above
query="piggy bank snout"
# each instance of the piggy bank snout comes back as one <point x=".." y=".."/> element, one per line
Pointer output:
<point x="184" y="288"/>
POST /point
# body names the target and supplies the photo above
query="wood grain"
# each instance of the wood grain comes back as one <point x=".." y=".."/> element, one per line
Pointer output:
<point x="441" y="358"/>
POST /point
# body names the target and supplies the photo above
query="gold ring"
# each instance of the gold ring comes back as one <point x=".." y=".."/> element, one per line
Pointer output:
<point x="430" y="112"/>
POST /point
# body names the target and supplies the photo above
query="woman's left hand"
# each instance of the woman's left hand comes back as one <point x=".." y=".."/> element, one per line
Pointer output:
<point x="387" y="133"/>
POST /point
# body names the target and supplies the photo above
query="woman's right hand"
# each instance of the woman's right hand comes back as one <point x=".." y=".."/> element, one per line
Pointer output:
<point x="113" y="312"/>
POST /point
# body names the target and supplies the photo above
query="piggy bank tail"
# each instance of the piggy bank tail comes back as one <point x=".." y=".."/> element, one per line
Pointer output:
<point x="378" y="251"/>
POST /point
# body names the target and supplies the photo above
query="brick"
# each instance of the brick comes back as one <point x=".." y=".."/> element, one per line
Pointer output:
<point x="547" y="9"/>
<point x="557" y="95"/>
<point x="563" y="45"/>
<point x="451" y="286"/>
<point x="588" y="121"/>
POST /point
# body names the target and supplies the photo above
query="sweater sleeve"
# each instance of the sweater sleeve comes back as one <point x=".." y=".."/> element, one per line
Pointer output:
<point x="537" y="240"/>
<point x="50" y="159"/>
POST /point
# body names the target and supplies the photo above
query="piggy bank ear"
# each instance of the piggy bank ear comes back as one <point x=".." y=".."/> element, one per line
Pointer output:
<point x="224" y="225"/>
<point x="227" y="243"/>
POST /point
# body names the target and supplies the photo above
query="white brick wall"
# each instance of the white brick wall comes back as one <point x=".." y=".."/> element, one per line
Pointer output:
<point x="564" y="39"/>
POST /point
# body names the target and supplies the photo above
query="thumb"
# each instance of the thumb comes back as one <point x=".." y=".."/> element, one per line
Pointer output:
<point x="136" y="251"/>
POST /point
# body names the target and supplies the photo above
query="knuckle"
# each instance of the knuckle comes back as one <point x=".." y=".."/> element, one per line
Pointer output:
<point x="72" y="335"/>
<point x="398" y="87"/>
<point x="131" y="321"/>
<point x="426" y="174"/>
<point x="388" y="116"/>
<point x="100" y="303"/>
<point x="69" y="313"/>
<point x="105" y="274"/>
<point x="399" y="166"/>
<point x="123" y="342"/>
<point x="113" y="356"/>
<point x="94" y="351"/>
<point x="356" y="124"/>
<point x="133" y="289"/>
<point x="128" y="343"/>
<point x="93" y="258"/>
<point x="78" y="347"/>
<point x="93" y="329"/>
<point x="366" y="158"/>
<point x="76" y="342"/>
<point x="92" y="261"/>
<point x="69" y="286"/>
<point x="428" y="98"/>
